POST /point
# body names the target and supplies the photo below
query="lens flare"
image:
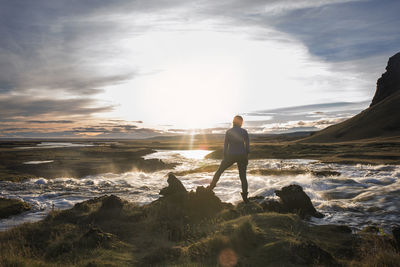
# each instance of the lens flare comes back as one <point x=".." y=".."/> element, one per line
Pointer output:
<point x="227" y="258"/>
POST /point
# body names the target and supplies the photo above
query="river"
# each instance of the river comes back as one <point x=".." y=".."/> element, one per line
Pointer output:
<point x="362" y="194"/>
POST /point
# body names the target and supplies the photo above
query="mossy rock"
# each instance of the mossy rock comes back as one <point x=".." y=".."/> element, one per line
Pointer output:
<point x="9" y="207"/>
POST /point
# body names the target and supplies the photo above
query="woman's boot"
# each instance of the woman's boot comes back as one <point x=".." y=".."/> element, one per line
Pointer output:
<point x="244" y="196"/>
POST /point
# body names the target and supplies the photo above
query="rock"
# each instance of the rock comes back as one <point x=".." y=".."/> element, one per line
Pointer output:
<point x="110" y="205"/>
<point x="295" y="200"/>
<point x="112" y="202"/>
<point x="396" y="236"/>
<point x="273" y="206"/>
<point x="249" y="208"/>
<point x="258" y="199"/>
<point x="95" y="237"/>
<point x="309" y="253"/>
<point x="370" y="229"/>
<point x="175" y="187"/>
<point x="178" y="202"/>
<point x="203" y="203"/>
<point x="9" y="207"/>
<point x="151" y="165"/>
<point x="389" y="82"/>
<point x="342" y="229"/>
<point x="325" y="173"/>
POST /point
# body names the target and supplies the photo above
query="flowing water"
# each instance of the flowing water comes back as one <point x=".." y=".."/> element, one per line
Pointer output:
<point x="362" y="195"/>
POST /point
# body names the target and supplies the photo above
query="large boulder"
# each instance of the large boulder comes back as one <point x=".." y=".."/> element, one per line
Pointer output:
<point x="175" y="187"/>
<point x="193" y="205"/>
<point x="292" y="199"/>
<point x="389" y="82"/>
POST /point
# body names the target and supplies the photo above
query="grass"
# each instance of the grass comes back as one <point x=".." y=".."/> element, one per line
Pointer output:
<point x="368" y="151"/>
<point x="168" y="233"/>
<point x="75" y="162"/>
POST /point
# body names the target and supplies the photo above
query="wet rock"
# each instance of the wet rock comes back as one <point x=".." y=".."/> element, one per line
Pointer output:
<point x="295" y="200"/>
<point x="389" y="82"/>
<point x="151" y="165"/>
<point x="325" y="173"/>
<point x="175" y="187"/>
<point x="309" y="253"/>
<point x="9" y="207"/>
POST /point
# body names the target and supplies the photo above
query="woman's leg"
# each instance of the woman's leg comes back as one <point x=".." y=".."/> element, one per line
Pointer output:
<point x="225" y="164"/>
<point x="242" y="166"/>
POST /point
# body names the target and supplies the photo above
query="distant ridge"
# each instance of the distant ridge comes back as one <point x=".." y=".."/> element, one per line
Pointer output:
<point x="381" y="119"/>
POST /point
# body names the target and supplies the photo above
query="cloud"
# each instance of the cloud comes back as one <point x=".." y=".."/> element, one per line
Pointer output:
<point x="67" y="131"/>
<point x="27" y="106"/>
<point x="51" y="121"/>
<point x="302" y="118"/>
<point x="57" y="58"/>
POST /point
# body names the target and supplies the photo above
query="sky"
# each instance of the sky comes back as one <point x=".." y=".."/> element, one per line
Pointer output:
<point x="140" y="68"/>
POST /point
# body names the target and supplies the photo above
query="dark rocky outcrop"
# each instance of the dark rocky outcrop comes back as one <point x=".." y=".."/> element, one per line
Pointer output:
<point x="292" y="199"/>
<point x="111" y="204"/>
<point x="193" y="205"/>
<point x="389" y="82"/>
<point x="295" y="200"/>
<point x="9" y="207"/>
<point x="175" y="187"/>
<point x="203" y="202"/>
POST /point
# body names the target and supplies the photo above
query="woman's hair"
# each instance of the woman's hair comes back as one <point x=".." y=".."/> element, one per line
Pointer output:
<point x="237" y="121"/>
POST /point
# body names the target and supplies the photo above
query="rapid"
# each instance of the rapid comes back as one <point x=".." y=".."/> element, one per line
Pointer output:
<point x="361" y="195"/>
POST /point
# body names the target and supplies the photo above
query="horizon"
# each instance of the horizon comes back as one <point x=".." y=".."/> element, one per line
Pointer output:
<point x="139" y="69"/>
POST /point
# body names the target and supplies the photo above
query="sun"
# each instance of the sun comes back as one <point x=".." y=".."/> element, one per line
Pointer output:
<point x="195" y="94"/>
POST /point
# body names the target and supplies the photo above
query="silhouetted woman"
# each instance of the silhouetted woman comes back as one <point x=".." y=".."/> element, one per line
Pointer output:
<point x="236" y="150"/>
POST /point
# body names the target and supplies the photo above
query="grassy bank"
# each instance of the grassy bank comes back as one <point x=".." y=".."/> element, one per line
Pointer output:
<point x="74" y="162"/>
<point x="201" y="231"/>
<point x="370" y="151"/>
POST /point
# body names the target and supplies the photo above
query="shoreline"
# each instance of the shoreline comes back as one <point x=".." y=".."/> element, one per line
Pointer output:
<point x="118" y="156"/>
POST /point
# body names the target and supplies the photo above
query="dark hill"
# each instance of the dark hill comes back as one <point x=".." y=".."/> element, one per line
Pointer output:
<point x="381" y="119"/>
<point x="389" y="83"/>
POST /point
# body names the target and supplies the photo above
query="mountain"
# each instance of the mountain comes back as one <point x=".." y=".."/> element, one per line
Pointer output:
<point x="381" y="119"/>
<point x="389" y="83"/>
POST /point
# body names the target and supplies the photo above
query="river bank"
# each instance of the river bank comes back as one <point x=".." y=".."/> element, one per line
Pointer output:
<point x="200" y="231"/>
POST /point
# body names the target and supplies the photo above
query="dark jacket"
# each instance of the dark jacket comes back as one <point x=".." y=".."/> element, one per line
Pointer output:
<point x="236" y="142"/>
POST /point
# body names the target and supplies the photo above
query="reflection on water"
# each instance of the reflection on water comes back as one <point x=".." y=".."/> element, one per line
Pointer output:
<point x="55" y="145"/>
<point x="38" y="161"/>
<point x="188" y="154"/>
<point x="361" y="195"/>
